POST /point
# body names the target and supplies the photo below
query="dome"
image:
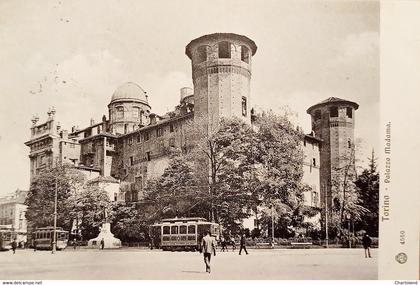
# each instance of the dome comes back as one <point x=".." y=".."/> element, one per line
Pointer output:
<point x="129" y="91"/>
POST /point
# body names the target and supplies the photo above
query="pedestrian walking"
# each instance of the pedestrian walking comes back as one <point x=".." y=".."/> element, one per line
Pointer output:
<point x="223" y="242"/>
<point x="74" y="244"/>
<point x="34" y="244"/>
<point x="243" y="244"/>
<point x="102" y="243"/>
<point x="207" y="247"/>
<point x="367" y="242"/>
<point x="232" y="241"/>
<point x="14" y="246"/>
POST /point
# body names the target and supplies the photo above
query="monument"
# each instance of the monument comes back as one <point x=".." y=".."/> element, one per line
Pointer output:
<point x="109" y="241"/>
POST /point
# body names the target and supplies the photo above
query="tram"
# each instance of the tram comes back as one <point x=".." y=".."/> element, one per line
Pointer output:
<point x="43" y="238"/>
<point x="181" y="233"/>
<point x="7" y="235"/>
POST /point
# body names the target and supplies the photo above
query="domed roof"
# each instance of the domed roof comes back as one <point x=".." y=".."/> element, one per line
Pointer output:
<point x="130" y="91"/>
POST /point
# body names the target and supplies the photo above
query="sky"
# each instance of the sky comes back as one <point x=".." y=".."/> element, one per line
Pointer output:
<point x="73" y="55"/>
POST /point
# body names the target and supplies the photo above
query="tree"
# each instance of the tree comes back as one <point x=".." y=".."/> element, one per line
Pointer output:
<point x="345" y="195"/>
<point x="368" y="189"/>
<point x="89" y="206"/>
<point x="176" y="192"/>
<point x="130" y="223"/>
<point x="279" y="160"/>
<point x="220" y="156"/>
<point x="40" y="199"/>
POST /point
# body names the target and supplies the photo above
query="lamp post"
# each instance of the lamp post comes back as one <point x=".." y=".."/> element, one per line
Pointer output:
<point x="326" y="217"/>
<point x="54" y="243"/>
<point x="272" y="225"/>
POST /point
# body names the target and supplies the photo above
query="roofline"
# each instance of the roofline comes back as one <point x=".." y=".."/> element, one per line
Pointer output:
<point x="219" y="36"/>
<point x="308" y="136"/>
<point x="128" y="100"/>
<point x="34" y="140"/>
<point x="145" y="128"/>
<point x="341" y="102"/>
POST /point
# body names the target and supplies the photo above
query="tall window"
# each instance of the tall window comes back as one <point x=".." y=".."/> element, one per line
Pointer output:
<point x="120" y="113"/>
<point x="201" y="54"/>
<point x="349" y="112"/>
<point x="136" y="112"/>
<point x="224" y="50"/>
<point x="244" y="106"/>
<point x="159" y="132"/>
<point x="333" y="111"/>
<point x="245" y="54"/>
<point x="146" y="136"/>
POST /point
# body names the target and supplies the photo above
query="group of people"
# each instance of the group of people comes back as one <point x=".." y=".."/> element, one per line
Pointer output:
<point x="208" y="246"/>
<point x="231" y="241"/>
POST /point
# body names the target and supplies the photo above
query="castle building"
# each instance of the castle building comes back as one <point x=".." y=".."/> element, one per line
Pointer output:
<point x="333" y="122"/>
<point x="133" y="144"/>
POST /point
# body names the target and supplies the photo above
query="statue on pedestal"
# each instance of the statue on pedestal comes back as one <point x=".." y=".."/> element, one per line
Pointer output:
<point x="105" y="239"/>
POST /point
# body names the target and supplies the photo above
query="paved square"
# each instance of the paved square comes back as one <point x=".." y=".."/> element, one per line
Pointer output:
<point x="156" y="264"/>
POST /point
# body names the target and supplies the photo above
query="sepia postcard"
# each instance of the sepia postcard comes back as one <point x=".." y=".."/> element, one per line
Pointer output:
<point x="209" y="140"/>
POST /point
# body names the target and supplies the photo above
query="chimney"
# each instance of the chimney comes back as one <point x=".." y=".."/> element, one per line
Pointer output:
<point x="92" y="122"/>
<point x="64" y="134"/>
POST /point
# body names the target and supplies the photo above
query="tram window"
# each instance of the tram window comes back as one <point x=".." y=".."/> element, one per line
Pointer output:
<point x="166" y="230"/>
<point x="174" y="230"/>
<point x="191" y="229"/>
<point x="182" y="230"/>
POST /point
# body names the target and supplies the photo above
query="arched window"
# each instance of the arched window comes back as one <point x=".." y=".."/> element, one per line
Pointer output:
<point x="245" y="54"/>
<point x="244" y="107"/>
<point x="120" y="113"/>
<point x="224" y="49"/>
<point x="201" y="54"/>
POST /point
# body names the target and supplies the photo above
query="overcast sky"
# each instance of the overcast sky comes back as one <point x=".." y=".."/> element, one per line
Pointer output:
<point x="74" y="54"/>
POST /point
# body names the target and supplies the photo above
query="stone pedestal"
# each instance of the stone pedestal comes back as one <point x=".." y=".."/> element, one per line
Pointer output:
<point x="109" y="240"/>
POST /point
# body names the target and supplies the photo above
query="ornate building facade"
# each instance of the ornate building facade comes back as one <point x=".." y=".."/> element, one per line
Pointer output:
<point x="133" y="144"/>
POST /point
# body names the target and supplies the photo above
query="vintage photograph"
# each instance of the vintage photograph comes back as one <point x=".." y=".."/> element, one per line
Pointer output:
<point x="156" y="140"/>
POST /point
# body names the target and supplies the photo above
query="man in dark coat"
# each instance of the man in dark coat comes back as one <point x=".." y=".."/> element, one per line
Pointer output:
<point x="14" y="246"/>
<point x="367" y="242"/>
<point x="102" y="243"/>
<point x="243" y="244"/>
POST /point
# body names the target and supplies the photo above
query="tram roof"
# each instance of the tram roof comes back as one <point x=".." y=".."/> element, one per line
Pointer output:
<point x="192" y="219"/>
<point x="49" y="229"/>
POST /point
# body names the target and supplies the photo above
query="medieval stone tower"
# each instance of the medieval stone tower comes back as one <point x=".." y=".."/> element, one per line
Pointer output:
<point x="333" y="122"/>
<point x="129" y="109"/>
<point x="221" y="73"/>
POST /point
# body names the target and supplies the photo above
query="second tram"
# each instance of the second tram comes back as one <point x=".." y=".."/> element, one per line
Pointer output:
<point x="7" y="235"/>
<point x="182" y="233"/>
<point x="43" y="238"/>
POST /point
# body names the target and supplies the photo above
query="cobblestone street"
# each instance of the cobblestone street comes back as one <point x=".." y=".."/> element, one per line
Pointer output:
<point x="146" y="264"/>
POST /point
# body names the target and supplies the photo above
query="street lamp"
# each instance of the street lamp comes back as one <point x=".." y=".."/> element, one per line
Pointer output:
<point x="326" y="217"/>
<point x="272" y="225"/>
<point x="54" y="243"/>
